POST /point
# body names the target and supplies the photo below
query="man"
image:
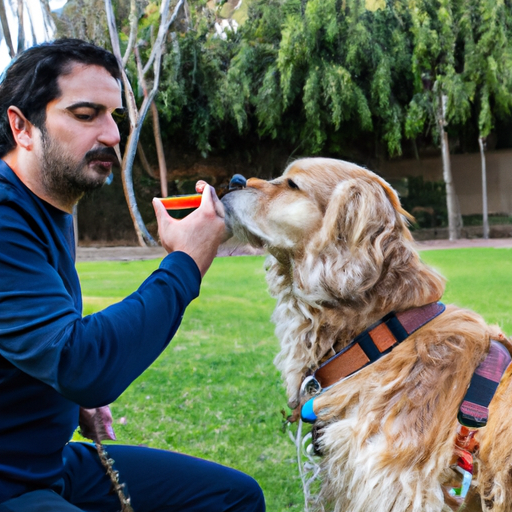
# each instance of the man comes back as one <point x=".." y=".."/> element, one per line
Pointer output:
<point x="57" y="132"/>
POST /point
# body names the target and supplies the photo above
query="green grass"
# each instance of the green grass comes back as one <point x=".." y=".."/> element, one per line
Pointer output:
<point x="479" y="279"/>
<point x="214" y="393"/>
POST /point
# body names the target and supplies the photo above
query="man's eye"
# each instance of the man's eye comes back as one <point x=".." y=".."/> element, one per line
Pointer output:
<point x="84" y="117"/>
<point x="86" y="114"/>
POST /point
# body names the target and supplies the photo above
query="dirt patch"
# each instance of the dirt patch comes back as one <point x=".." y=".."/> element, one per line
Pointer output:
<point x="464" y="243"/>
<point x="131" y="253"/>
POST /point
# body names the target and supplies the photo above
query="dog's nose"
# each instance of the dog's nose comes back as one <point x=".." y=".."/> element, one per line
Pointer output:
<point x="237" y="182"/>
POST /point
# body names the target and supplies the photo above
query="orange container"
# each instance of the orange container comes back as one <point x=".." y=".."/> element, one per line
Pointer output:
<point x="181" y="202"/>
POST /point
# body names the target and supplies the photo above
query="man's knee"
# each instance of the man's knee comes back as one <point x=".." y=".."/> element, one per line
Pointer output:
<point x="246" y="495"/>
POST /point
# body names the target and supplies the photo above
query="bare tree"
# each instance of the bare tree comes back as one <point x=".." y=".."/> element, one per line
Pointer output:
<point x="21" y="27"/>
<point x="6" y="30"/>
<point x="454" y="217"/>
<point x="137" y="115"/>
<point x="485" y="209"/>
<point x="24" y="24"/>
<point x="162" y="166"/>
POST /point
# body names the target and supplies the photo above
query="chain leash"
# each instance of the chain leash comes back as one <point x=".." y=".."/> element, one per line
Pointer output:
<point x="308" y="465"/>
<point x="118" y="487"/>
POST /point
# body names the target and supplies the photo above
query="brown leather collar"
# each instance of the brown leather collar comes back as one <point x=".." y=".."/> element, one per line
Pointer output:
<point x="376" y="341"/>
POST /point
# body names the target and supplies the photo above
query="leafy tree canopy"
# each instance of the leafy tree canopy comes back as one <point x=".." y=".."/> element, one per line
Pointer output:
<point x="324" y="74"/>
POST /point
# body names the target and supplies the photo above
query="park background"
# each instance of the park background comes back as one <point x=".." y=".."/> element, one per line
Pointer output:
<point x="418" y="91"/>
<point x="215" y="393"/>
<point x="246" y="87"/>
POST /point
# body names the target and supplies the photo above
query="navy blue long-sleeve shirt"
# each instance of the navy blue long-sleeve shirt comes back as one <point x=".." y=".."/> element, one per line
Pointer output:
<point x="53" y="360"/>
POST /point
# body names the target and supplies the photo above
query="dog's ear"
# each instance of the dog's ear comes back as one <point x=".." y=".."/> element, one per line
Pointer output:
<point x="362" y="225"/>
<point x="359" y="211"/>
<point x="393" y="199"/>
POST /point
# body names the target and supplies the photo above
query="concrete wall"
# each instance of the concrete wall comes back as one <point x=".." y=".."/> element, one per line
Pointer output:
<point x="466" y="171"/>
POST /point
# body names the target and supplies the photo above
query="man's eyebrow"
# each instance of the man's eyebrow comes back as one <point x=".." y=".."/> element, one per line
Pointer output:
<point x="86" y="104"/>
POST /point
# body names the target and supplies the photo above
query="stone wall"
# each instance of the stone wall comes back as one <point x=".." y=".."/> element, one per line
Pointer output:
<point x="466" y="171"/>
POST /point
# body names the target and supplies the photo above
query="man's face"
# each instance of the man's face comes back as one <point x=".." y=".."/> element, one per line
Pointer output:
<point x="77" y="139"/>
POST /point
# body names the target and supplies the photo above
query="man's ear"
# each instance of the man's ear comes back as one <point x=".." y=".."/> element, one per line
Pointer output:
<point x="22" y="129"/>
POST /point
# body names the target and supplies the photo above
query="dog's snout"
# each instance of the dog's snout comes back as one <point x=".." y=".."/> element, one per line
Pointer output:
<point x="256" y="183"/>
<point x="237" y="182"/>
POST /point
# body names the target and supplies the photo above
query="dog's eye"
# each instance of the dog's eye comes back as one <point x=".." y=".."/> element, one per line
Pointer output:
<point x="293" y="185"/>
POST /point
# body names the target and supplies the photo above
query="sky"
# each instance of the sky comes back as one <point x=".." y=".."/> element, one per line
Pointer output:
<point x="35" y="14"/>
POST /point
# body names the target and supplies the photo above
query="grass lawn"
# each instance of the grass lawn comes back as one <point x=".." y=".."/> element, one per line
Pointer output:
<point x="479" y="279"/>
<point x="215" y="393"/>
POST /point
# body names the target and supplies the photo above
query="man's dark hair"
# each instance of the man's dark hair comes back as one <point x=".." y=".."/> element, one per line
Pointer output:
<point x="31" y="80"/>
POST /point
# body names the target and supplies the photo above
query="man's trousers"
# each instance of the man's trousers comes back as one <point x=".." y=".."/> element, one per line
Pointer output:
<point x="156" y="481"/>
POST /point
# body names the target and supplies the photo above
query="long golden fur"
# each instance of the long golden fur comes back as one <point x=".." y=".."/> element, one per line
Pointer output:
<point x="340" y="257"/>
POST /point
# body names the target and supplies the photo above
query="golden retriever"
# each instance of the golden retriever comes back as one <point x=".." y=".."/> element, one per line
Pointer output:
<point x="341" y="257"/>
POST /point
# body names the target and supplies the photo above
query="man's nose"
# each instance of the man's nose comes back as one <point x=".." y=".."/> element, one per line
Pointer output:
<point x="109" y="134"/>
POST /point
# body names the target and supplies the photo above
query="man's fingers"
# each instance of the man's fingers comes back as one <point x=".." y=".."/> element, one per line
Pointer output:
<point x="96" y="424"/>
<point x="217" y="203"/>
<point x="161" y="212"/>
<point x="158" y="207"/>
<point x="200" y="185"/>
<point x="206" y="193"/>
<point x="210" y="198"/>
<point x="103" y="423"/>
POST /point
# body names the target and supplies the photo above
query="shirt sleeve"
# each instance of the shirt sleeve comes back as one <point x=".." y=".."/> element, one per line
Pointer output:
<point x="89" y="360"/>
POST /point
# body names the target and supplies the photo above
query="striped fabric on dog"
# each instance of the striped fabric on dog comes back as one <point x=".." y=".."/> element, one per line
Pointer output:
<point x="474" y="409"/>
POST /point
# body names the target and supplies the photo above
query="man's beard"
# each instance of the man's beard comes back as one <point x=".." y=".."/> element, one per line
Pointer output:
<point x="66" y="178"/>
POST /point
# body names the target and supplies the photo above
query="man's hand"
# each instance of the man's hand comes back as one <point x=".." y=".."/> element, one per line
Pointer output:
<point x="199" y="234"/>
<point x="96" y="424"/>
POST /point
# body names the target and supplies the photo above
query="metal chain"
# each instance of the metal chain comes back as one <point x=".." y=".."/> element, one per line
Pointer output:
<point x="108" y="464"/>
<point x="308" y="465"/>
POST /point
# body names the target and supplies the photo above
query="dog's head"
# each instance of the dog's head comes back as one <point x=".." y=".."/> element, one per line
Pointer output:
<point x="341" y="256"/>
<point x="325" y="200"/>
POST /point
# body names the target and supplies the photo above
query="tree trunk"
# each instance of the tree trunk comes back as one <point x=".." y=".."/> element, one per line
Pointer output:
<point x="21" y="27"/>
<point x="143" y="236"/>
<point x="485" y="213"/>
<point x="136" y="119"/>
<point x="162" y="166"/>
<point x="144" y="161"/>
<point x="137" y="116"/>
<point x="454" y="221"/>
<point x="159" y="150"/>
<point x="31" y="24"/>
<point x="49" y="25"/>
<point x="5" y="29"/>
<point x="134" y="23"/>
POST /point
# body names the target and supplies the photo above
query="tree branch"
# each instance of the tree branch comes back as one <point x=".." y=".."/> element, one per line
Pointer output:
<point x="162" y="31"/>
<point x="6" y="30"/>
<point x="134" y="20"/>
<point x="21" y="27"/>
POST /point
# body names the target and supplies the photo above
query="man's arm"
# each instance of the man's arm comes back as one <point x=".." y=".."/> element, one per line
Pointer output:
<point x="92" y="360"/>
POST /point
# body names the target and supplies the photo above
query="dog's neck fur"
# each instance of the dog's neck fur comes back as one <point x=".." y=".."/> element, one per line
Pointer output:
<point x="315" y="323"/>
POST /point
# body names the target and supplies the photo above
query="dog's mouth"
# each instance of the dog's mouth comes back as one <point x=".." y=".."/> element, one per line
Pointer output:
<point x="237" y="182"/>
<point x="239" y="212"/>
